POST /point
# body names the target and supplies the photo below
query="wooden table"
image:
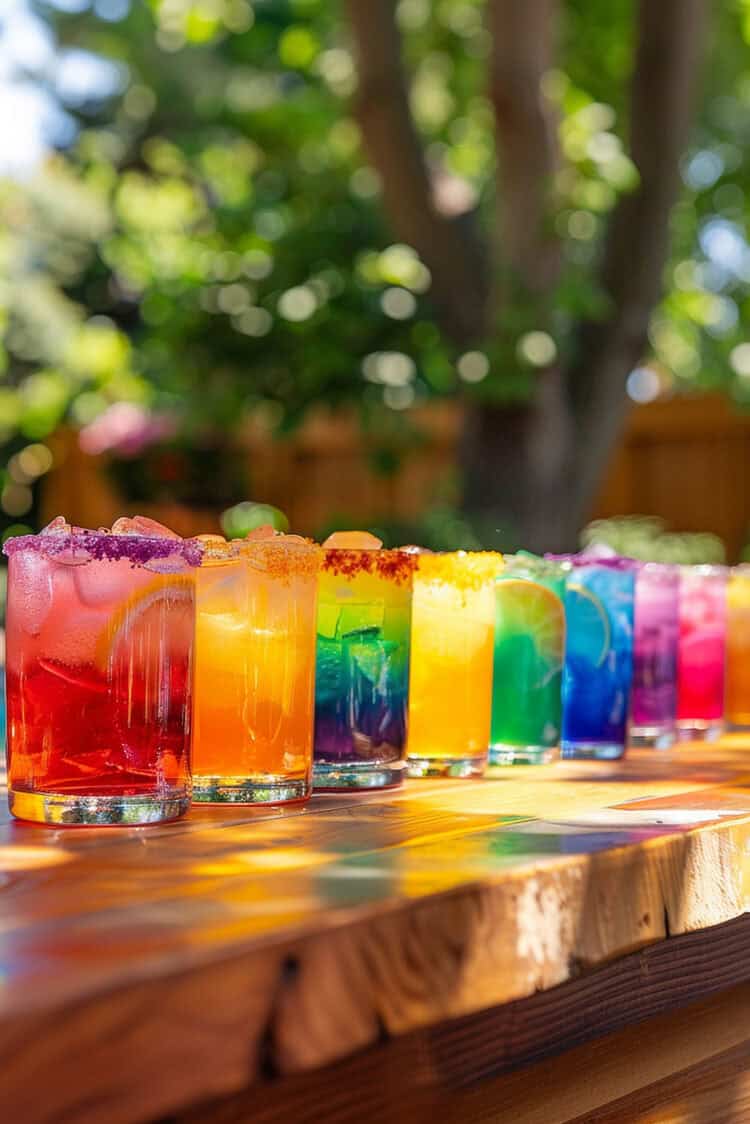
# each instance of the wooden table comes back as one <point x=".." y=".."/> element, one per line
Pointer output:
<point x="554" y="944"/>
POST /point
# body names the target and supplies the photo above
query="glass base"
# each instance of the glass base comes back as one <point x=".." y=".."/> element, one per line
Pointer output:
<point x="97" y="811"/>
<point x="698" y="730"/>
<point x="503" y="753"/>
<point x="460" y="767"/>
<point x="652" y="737"/>
<point x="345" y="776"/>
<point x="250" y="790"/>
<point x="591" y="751"/>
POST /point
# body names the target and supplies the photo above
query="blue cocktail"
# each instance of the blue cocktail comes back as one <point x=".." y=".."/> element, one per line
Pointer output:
<point x="598" y="666"/>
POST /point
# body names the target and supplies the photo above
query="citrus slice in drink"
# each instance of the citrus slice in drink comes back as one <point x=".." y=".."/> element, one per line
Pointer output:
<point x="155" y="617"/>
<point x="526" y="608"/>
<point x="588" y="628"/>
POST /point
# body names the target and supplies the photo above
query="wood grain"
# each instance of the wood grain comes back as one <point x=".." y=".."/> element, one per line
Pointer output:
<point x="679" y="1068"/>
<point x="147" y="970"/>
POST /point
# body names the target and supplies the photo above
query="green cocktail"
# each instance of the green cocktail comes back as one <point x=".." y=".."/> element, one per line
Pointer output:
<point x="528" y="659"/>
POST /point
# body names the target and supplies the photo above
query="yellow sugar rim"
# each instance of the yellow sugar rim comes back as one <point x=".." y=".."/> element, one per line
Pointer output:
<point x="461" y="568"/>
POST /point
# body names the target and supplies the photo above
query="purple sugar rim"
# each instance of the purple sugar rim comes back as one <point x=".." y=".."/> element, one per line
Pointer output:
<point x="139" y="549"/>
<point x="613" y="562"/>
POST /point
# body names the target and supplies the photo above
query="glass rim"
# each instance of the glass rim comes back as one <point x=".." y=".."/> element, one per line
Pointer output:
<point x="389" y="563"/>
<point x="105" y="546"/>
<point x="608" y="562"/>
<point x="280" y="556"/>
<point x="469" y="569"/>
<point x="535" y="564"/>
<point x="662" y="569"/>
<point x="705" y="569"/>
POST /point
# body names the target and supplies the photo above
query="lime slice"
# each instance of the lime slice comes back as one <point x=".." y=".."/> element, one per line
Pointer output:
<point x="589" y="632"/>
<point x="526" y="608"/>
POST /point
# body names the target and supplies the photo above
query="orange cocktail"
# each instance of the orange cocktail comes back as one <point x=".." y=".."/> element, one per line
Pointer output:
<point x="255" y="669"/>
<point x="737" y="699"/>
<point x="450" y="687"/>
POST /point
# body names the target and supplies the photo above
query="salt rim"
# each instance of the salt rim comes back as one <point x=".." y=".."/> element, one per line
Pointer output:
<point x="105" y="546"/>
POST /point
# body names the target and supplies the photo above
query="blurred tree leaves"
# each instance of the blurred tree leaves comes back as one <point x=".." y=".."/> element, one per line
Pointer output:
<point x="212" y="244"/>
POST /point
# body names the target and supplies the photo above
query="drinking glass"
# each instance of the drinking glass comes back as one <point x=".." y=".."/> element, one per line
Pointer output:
<point x="653" y="707"/>
<point x="450" y="689"/>
<point x="362" y="672"/>
<point x="598" y="657"/>
<point x="99" y="676"/>
<point x="528" y="659"/>
<point x="737" y="704"/>
<point x="255" y="671"/>
<point x="701" y="658"/>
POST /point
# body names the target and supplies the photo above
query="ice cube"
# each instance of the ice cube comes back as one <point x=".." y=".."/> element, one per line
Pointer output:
<point x="31" y="590"/>
<point x="74" y="556"/>
<point x="142" y="525"/>
<point x="358" y="618"/>
<point x="328" y="619"/>
<point x="353" y="540"/>
<point x="171" y="564"/>
<point x="260" y="534"/>
<point x="57" y="526"/>
<point x="212" y="540"/>
<point x="293" y="540"/>
<point x="103" y="584"/>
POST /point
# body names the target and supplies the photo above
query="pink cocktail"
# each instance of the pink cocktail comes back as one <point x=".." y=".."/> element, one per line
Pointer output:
<point x="701" y="661"/>
<point x="99" y="674"/>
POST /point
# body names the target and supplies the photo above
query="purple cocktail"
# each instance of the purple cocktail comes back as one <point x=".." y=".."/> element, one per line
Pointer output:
<point x="656" y="639"/>
<point x="362" y="668"/>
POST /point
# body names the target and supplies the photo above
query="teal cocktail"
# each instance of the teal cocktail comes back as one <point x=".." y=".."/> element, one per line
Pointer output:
<point x="528" y="660"/>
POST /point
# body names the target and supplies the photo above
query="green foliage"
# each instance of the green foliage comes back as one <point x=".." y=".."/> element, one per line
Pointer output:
<point x="646" y="538"/>
<point x="212" y="246"/>
<point x="240" y="520"/>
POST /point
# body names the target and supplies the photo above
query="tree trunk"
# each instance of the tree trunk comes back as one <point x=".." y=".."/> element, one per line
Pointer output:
<point x="442" y="241"/>
<point x="668" y="52"/>
<point x="518" y="470"/>
<point x="532" y="470"/>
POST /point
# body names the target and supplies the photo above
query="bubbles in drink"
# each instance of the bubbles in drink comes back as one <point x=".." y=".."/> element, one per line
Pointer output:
<point x="33" y="583"/>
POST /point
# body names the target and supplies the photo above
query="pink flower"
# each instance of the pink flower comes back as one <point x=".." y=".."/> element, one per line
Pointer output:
<point x="125" y="429"/>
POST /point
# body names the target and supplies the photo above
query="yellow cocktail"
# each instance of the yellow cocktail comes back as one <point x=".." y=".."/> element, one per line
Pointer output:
<point x="450" y="686"/>
<point x="255" y="671"/>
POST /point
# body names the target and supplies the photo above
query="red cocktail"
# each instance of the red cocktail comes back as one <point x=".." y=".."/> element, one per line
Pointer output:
<point x="99" y="674"/>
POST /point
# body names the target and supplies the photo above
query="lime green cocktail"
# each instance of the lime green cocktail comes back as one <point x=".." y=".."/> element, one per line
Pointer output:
<point x="528" y="659"/>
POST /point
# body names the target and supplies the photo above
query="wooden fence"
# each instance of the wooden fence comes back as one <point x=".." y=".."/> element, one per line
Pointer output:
<point x="686" y="459"/>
